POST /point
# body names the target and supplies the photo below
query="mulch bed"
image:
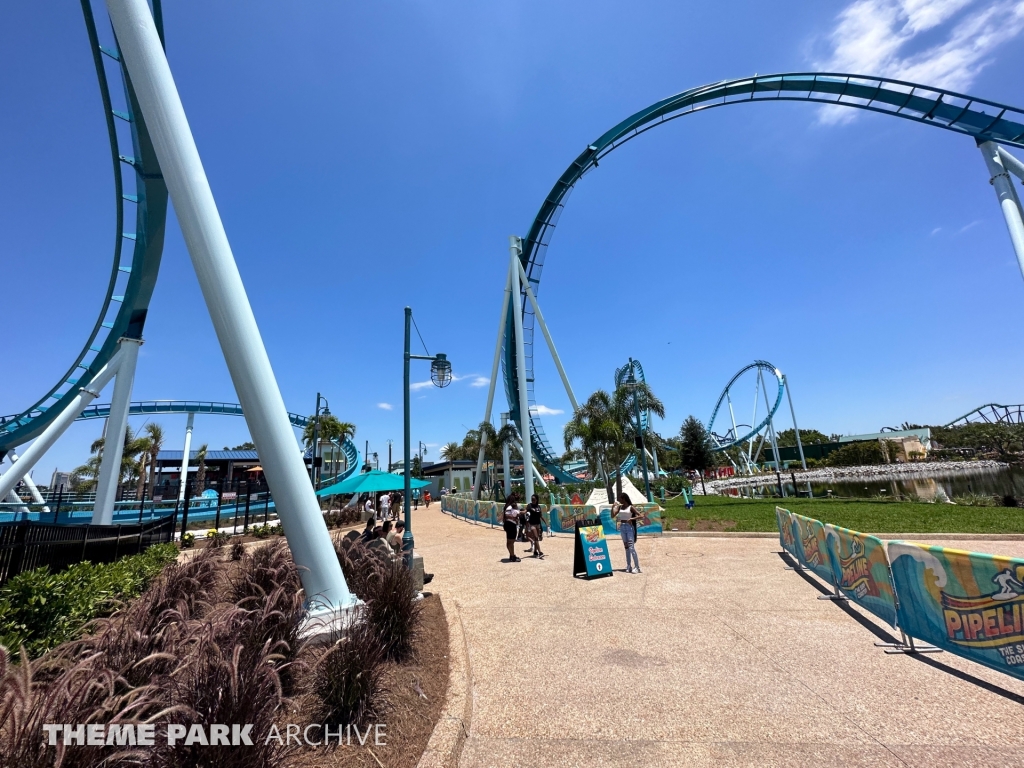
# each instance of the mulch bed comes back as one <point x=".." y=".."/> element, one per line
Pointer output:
<point x="415" y="694"/>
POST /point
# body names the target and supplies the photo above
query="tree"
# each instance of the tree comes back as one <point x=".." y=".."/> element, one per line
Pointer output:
<point x="451" y="451"/>
<point x="200" y="485"/>
<point x="155" y="436"/>
<point x="86" y="476"/>
<point x="595" y="427"/>
<point x="787" y="437"/>
<point x="695" y="452"/>
<point x="331" y="429"/>
<point x="248" y="445"/>
<point x="627" y="400"/>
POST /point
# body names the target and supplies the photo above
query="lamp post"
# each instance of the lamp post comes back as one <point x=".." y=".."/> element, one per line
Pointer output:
<point x="631" y="383"/>
<point x="316" y="435"/>
<point x="441" y="375"/>
<point x="390" y="442"/>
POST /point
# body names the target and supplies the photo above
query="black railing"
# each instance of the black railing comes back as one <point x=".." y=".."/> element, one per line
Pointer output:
<point x="26" y="545"/>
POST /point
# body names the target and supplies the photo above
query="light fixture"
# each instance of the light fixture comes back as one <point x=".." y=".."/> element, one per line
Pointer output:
<point x="441" y="371"/>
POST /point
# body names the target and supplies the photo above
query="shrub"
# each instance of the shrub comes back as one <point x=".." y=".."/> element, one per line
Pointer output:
<point x="1009" y="500"/>
<point x="392" y="608"/>
<point x="975" y="500"/>
<point x="346" y="680"/>
<point x="856" y="454"/>
<point x="237" y="550"/>
<point x="41" y="610"/>
<point x="188" y="540"/>
<point x="217" y="538"/>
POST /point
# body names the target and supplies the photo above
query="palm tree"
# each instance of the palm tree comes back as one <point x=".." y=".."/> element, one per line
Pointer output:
<point x="331" y="428"/>
<point x="595" y="427"/>
<point x="451" y="451"/>
<point x="627" y="400"/>
<point x="155" y="435"/>
<point x="88" y="474"/>
<point x="201" y="469"/>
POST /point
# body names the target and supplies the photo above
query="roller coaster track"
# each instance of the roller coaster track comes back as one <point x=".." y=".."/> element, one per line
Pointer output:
<point x="991" y="413"/>
<point x="138" y="183"/>
<point x="730" y="439"/>
<point x="102" y="411"/>
<point x="980" y="119"/>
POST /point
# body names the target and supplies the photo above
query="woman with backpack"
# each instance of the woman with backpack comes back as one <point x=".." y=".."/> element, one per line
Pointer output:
<point x="626" y="516"/>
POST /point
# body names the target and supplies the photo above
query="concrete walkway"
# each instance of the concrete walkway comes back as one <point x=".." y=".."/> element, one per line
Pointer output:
<point x="716" y="655"/>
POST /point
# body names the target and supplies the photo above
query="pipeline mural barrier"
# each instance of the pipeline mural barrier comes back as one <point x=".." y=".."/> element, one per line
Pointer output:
<point x="561" y="518"/>
<point x="967" y="603"/>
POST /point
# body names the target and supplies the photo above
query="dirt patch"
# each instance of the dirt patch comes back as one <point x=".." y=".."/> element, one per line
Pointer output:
<point x="713" y="525"/>
<point x="415" y="693"/>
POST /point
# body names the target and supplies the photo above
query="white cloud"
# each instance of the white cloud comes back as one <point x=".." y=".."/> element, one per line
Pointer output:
<point x="480" y="381"/>
<point x="935" y="231"/>
<point x="385" y="406"/>
<point x="967" y="227"/>
<point x="418" y="385"/>
<point x="543" y="410"/>
<point x="876" y="37"/>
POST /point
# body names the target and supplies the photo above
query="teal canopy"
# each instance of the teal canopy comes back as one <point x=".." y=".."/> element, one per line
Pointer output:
<point x="373" y="481"/>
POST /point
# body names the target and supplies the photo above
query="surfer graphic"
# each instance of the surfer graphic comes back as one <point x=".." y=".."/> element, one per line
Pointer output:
<point x="1009" y="587"/>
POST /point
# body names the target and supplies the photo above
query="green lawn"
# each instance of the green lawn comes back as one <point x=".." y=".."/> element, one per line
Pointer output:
<point x="867" y="515"/>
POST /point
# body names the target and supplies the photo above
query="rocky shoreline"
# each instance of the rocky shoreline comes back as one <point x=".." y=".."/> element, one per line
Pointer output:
<point x="824" y="474"/>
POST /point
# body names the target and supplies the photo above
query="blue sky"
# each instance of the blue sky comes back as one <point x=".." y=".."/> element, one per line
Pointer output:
<point x="366" y="156"/>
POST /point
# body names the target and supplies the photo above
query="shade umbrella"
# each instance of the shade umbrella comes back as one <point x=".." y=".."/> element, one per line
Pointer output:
<point x="374" y="481"/>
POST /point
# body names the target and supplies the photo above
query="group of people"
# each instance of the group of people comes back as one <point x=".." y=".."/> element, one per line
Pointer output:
<point x="389" y="505"/>
<point x="390" y="533"/>
<point x="528" y="525"/>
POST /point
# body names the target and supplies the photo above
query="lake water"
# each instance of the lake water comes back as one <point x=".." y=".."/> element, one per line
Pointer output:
<point x="992" y="482"/>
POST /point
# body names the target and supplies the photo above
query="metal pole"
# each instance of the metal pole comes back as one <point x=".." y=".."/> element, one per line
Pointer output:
<point x="505" y="459"/>
<point x="494" y="378"/>
<point x="142" y="503"/>
<point x="60" y="498"/>
<point x="407" y="537"/>
<point x="1007" y="196"/>
<point x="183" y="478"/>
<point x="524" y="395"/>
<point x="33" y="489"/>
<point x="547" y="335"/>
<point x="316" y="437"/>
<point x="57" y="427"/>
<point x="771" y="432"/>
<point x="639" y="432"/>
<point x="230" y="311"/>
<point x="117" y="423"/>
<point x="1011" y="163"/>
<point x="799" y="444"/>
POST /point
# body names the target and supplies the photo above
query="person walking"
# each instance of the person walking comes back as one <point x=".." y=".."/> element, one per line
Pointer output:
<point x="416" y="498"/>
<point x="510" y="522"/>
<point x="626" y="515"/>
<point x="533" y="526"/>
<point x="385" y="506"/>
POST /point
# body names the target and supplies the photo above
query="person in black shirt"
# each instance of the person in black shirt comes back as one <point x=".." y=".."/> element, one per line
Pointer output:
<point x="533" y="523"/>
<point x="510" y="522"/>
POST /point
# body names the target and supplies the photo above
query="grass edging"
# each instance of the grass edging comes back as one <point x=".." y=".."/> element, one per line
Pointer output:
<point x="444" y="750"/>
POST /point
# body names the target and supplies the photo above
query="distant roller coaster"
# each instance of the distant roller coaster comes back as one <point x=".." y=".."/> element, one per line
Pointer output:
<point x="990" y="124"/>
<point x="991" y="413"/>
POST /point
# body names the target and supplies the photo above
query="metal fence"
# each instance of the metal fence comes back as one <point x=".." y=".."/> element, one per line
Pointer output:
<point x="25" y="545"/>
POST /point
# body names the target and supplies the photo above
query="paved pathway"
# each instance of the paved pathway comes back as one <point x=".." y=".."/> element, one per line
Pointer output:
<point x="715" y="655"/>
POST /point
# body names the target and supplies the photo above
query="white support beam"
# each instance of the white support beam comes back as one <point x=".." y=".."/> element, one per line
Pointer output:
<point x="186" y="453"/>
<point x="494" y="379"/>
<point x="1011" y="163"/>
<point x="57" y="427"/>
<point x="33" y="489"/>
<point x="547" y="336"/>
<point x="230" y="311"/>
<point x="1009" y="203"/>
<point x="117" y="423"/>
<point x="514" y="247"/>
<point x="506" y="464"/>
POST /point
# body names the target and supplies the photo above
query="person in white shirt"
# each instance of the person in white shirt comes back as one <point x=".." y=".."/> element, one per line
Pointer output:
<point x="368" y="507"/>
<point x="385" y="506"/>
<point x="510" y="523"/>
<point x="625" y="514"/>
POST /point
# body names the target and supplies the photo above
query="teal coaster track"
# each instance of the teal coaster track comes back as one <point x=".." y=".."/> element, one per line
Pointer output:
<point x="102" y="411"/>
<point x="980" y="119"/>
<point x="736" y="435"/>
<point x="138" y="184"/>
